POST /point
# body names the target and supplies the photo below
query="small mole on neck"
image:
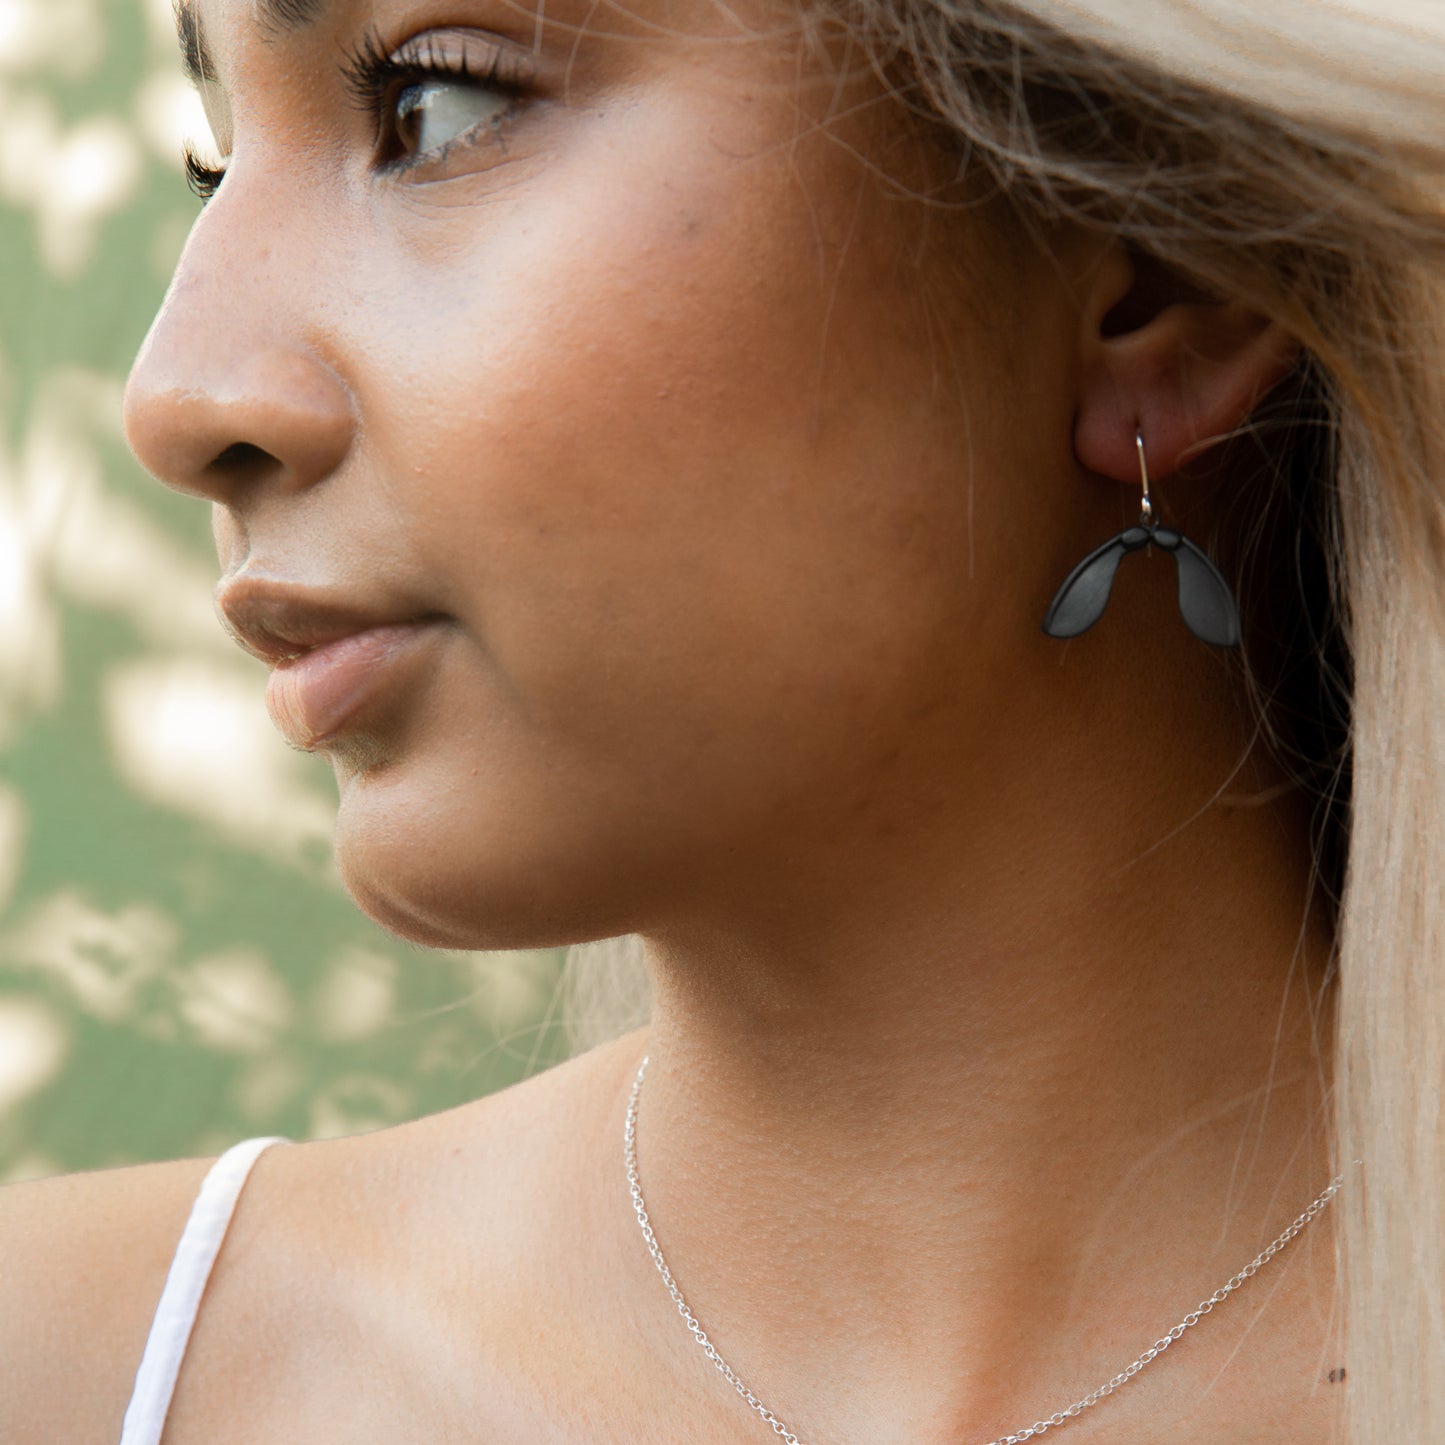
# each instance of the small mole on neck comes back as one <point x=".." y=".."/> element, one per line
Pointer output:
<point x="1337" y="1374"/>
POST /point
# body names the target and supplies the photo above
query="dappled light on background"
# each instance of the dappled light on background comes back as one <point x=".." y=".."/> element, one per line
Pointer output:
<point x="358" y="1103"/>
<point x="355" y="996"/>
<point x="179" y="965"/>
<point x="30" y="662"/>
<point x="64" y="36"/>
<point x="509" y="989"/>
<point x="98" y="962"/>
<point x="34" y="1045"/>
<point x="12" y="841"/>
<point x="69" y="179"/>
<point x="235" y="1001"/>
<point x="193" y="736"/>
<point x="171" y="117"/>
<point x="108" y="553"/>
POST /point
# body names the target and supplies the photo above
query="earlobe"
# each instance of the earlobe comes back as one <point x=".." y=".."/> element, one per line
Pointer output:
<point x="1165" y="359"/>
<point x="1188" y="377"/>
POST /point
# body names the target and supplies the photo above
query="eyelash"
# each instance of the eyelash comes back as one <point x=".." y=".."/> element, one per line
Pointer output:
<point x="204" y="180"/>
<point x="375" y="79"/>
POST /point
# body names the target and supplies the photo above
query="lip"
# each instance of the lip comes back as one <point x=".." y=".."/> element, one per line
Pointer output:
<point x="327" y="654"/>
<point x="280" y="622"/>
<point x="313" y="697"/>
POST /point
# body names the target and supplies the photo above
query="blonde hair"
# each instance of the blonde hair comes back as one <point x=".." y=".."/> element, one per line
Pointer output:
<point x="1291" y="155"/>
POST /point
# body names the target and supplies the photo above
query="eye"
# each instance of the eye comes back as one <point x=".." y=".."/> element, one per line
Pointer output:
<point x="430" y="114"/>
<point x="440" y="90"/>
<point x="443" y="89"/>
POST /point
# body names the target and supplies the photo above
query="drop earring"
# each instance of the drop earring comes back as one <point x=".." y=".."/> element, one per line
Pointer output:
<point x="1205" y="601"/>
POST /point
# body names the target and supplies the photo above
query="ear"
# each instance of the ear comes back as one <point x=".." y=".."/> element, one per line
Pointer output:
<point x="1158" y="353"/>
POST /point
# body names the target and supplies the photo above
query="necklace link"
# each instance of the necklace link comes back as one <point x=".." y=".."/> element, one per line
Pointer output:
<point x="1030" y="1432"/>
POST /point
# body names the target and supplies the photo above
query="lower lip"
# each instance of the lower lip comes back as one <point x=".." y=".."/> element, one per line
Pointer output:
<point x="312" y="698"/>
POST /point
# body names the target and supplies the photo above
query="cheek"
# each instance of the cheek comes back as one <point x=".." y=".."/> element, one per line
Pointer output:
<point x="658" y="453"/>
<point x="649" y="424"/>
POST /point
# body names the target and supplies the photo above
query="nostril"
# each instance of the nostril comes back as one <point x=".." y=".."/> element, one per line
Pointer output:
<point x="251" y="414"/>
<point x="241" y="459"/>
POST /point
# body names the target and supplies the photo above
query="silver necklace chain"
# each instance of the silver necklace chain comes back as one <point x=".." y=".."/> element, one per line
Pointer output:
<point x="1059" y="1417"/>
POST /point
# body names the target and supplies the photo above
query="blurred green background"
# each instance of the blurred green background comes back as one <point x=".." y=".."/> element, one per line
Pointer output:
<point x="179" y="965"/>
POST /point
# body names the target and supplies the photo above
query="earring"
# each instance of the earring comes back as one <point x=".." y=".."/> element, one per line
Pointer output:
<point x="1205" y="601"/>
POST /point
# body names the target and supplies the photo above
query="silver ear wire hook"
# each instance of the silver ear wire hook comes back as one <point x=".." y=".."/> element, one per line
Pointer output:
<point x="1146" y="511"/>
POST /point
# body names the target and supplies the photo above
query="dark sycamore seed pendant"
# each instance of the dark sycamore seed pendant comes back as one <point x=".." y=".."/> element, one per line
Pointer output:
<point x="1205" y="601"/>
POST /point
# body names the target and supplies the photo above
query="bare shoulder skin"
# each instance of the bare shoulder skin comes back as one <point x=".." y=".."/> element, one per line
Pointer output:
<point x="422" y="1282"/>
<point x="645" y="463"/>
<point x="425" y="1282"/>
<point x="82" y="1261"/>
<point x="331" y="1241"/>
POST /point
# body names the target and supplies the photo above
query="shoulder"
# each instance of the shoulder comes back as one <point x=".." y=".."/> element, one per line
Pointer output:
<point x="333" y="1245"/>
<point x="83" y="1258"/>
<point x="368" y="1282"/>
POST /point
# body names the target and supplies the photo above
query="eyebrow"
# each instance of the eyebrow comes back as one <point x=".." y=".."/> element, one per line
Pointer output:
<point x="275" y="17"/>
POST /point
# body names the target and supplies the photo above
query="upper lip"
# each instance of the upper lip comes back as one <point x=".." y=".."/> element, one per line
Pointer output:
<point x="278" y="621"/>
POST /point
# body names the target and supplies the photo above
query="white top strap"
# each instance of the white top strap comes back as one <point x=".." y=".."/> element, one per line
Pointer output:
<point x="180" y="1301"/>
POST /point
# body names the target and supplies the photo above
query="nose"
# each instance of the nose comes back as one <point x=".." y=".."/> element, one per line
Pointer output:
<point x="226" y="392"/>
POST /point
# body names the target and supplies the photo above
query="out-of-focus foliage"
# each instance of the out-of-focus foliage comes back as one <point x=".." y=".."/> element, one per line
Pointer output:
<point x="179" y="966"/>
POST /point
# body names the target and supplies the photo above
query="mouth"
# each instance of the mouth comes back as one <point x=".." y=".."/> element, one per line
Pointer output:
<point x="328" y="657"/>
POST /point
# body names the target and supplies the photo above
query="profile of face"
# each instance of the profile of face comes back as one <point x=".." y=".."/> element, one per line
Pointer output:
<point x="636" y="481"/>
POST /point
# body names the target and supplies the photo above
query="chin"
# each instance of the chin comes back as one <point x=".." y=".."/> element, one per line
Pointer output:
<point x="445" y="866"/>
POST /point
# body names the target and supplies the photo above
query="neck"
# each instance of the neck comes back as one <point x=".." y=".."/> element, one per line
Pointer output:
<point x="1049" y="1087"/>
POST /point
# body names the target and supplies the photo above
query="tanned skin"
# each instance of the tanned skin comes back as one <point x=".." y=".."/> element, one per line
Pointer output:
<point x="730" y="482"/>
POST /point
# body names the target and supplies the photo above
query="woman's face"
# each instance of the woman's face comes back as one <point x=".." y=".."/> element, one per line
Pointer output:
<point x="639" y="453"/>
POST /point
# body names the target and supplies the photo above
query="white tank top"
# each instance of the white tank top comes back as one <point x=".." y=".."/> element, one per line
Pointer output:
<point x="180" y="1302"/>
